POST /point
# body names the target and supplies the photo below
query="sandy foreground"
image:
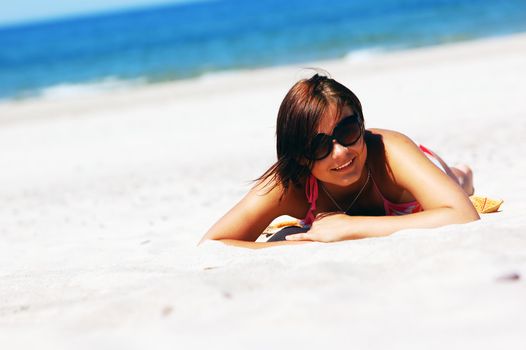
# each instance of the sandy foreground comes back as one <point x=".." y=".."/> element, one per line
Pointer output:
<point x="104" y="197"/>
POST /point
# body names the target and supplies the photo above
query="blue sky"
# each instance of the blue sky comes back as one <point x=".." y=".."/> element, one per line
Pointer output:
<point x="16" y="11"/>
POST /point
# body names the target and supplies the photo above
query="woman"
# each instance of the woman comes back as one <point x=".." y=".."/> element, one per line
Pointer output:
<point x="345" y="181"/>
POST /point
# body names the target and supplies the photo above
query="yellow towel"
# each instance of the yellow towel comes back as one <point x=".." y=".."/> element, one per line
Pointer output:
<point x="485" y="205"/>
<point x="280" y="222"/>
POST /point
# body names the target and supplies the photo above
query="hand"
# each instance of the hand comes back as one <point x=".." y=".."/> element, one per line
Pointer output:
<point x="327" y="227"/>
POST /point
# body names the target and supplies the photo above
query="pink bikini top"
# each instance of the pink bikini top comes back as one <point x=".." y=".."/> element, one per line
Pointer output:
<point x="391" y="209"/>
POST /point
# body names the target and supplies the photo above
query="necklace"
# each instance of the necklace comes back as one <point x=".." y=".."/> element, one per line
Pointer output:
<point x="355" y="198"/>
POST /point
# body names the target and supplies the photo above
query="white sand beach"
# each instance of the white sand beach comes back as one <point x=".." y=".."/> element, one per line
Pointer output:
<point x="103" y="198"/>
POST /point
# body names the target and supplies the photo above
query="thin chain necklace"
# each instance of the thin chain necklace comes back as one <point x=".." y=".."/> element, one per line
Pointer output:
<point x="355" y="198"/>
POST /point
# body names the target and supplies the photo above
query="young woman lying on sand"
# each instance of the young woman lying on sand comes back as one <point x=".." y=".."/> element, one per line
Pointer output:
<point x="347" y="182"/>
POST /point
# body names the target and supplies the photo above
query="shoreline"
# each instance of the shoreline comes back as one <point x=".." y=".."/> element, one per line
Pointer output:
<point x="113" y="92"/>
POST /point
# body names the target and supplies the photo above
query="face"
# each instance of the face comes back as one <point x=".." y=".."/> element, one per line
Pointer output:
<point x="343" y="166"/>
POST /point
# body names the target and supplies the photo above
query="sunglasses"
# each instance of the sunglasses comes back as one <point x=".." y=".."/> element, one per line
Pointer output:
<point x="347" y="132"/>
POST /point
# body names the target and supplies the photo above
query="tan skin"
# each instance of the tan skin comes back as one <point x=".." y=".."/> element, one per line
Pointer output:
<point x="400" y="170"/>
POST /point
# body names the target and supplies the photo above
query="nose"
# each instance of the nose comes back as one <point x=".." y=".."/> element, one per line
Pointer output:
<point x="338" y="150"/>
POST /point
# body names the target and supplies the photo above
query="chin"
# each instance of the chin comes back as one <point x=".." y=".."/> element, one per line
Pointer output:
<point x="344" y="180"/>
<point x="348" y="181"/>
<point x="349" y="178"/>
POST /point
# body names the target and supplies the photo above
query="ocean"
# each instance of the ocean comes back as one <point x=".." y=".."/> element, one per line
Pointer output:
<point x="187" y="40"/>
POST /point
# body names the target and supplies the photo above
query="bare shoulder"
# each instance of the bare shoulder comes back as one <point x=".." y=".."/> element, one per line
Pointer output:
<point x="406" y="163"/>
<point x="390" y="155"/>
<point x="389" y="145"/>
<point x="272" y="192"/>
<point x="395" y="146"/>
<point x="391" y="137"/>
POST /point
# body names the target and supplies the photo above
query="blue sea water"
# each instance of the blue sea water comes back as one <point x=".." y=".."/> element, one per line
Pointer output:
<point x="187" y="40"/>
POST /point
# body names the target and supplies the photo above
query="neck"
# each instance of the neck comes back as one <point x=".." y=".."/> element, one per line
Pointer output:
<point x="344" y="201"/>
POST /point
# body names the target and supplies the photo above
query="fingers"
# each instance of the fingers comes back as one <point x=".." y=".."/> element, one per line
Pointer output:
<point x="322" y="215"/>
<point x="299" y="237"/>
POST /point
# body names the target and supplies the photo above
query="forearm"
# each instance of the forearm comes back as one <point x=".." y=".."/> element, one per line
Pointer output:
<point x="257" y="245"/>
<point x="367" y="226"/>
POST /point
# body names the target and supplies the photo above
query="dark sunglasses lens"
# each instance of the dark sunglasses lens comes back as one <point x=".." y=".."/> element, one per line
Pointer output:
<point x="348" y="131"/>
<point x="321" y="147"/>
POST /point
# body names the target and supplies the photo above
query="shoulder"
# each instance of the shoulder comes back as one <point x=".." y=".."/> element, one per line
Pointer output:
<point x="389" y="137"/>
<point x="393" y="151"/>
<point x="390" y="143"/>
<point x="271" y="193"/>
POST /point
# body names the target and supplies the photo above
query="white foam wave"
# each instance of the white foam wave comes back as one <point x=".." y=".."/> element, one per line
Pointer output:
<point x="108" y="84"/>
<point x="363" y="55"/>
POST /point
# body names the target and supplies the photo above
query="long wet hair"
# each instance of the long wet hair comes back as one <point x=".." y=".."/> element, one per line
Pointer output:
<point x="299" y="117"/>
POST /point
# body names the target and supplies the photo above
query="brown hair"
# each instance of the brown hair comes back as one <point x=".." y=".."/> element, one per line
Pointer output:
<point x="299" y="117"/>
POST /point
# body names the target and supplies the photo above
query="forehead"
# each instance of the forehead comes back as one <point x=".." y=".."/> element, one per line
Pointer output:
<point x="332" y="117"/>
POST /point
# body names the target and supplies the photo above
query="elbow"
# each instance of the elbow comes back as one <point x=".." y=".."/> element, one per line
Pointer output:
<point x="467" y="216"/>
<point x="471" y="218"/>
<point x="211" y="235"/>
<point x="207" y="237"/>
<point x="460" y="215"/>
<point x="215" y="237"/>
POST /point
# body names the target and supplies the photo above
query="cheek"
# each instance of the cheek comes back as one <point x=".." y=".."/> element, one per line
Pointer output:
<point x="360" y="148"/>
<point x="363" y="149"/>
<point x="319" y="169"/>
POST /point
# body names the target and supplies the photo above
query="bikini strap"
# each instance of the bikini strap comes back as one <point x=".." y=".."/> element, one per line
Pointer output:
<point x="384" y="200"/>
<point x="377" y="189"/>
<point x="311" y="191"/>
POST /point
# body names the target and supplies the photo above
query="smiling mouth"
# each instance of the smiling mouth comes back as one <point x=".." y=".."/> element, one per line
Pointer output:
<point x="344" y="166"/>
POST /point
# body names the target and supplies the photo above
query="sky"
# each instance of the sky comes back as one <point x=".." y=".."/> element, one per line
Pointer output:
<point x="19" y="11"/>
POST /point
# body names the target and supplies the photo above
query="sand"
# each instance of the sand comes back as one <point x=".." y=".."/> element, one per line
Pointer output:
<point x="105" y="195"/>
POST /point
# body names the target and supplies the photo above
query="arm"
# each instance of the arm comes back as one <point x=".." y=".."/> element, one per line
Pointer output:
<point x="438" y="193"/>
<point x="442" y="199"/>
<point x="340" y="227"/>
<point x="257" y="245"/>
<point x="243" y="224"/>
